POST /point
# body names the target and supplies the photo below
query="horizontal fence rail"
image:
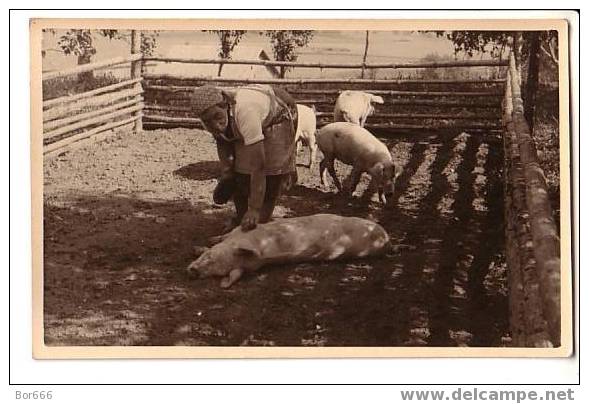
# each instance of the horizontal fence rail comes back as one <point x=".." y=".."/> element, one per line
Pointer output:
<point x="153" y="76"/>
<point x="258" y="62"/>
<point x="74" y="120"/>
<point x="91" y="93"/>
<point x="391" y="93"/>
<point x="91" y="67"/>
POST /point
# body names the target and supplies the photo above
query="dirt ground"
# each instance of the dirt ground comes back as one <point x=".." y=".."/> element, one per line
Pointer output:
<point x="121" y="218"/>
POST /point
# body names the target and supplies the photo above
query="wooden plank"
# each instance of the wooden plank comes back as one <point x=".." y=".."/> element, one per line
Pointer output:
<point x="315" y="80"/>
<point x="98" y="137"/>
<point x="80" y="117"/>
<point x="92" y="121"/>
<point x="60" y="111"/>
<point x="394" y="93"/>
<point x="91" y="93"/>
<point x="543" y="229"/>
<point x="418" y="65"/>
<point x="136" y="71"/>
<point x="52" y="74"/>
<point x="391" y="93"/>
<point x="69" y="140"/>
<point x="418" y="116"/>
<point x="171" y="119"/>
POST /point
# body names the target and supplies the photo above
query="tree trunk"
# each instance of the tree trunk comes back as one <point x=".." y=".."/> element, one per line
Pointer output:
<point x="85" y="77"/>
<point x="220" y="69"/>
<point x="531" y="87"/>
<point x="365" y="53"/>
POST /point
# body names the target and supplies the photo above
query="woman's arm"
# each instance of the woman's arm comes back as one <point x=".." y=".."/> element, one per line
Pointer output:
<point x="257" y="158"/>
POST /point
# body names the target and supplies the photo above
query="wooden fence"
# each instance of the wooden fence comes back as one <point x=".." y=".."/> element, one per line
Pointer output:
<point x="425" y="105"/>
<point x="70" y="121"/>
<point x="410" y="104"/>
<point x="532" y="240"/>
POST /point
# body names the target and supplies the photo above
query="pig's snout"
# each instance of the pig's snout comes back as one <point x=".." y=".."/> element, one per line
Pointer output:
<point x="194" y="271"/>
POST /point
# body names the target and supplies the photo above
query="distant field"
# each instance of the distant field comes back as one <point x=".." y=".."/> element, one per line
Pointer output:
<point x="326" y="46"/>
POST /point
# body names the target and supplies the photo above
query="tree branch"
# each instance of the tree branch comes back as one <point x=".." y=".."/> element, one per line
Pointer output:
<point x="550" y="54"/>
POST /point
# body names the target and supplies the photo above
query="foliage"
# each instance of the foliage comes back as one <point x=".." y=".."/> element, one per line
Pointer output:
<point x="228" y="41"/>
<point x="285" y="44"/>
<point x="80" y="42"/>
<point x="148" y="42"/>
<point x="496" y="42"/>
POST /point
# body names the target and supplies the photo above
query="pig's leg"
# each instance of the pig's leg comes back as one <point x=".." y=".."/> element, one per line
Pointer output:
<point x="352" y="181"/>
<point x="322" y="168"/>
<point x="331" y="170"/>
<point x="273" y="186"/>
<point x="230" y="279"/>
<point x="373" y="187"/>
<point x="312" y="151"/>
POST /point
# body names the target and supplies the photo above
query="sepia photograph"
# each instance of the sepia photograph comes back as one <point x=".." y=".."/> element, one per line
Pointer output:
<point x="293" y="188"/>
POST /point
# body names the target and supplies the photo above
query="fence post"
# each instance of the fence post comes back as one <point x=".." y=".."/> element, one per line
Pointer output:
<point x="136" y="73"/>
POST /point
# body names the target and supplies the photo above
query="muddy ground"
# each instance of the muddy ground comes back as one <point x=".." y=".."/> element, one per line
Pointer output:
<point x="122" y="216"/>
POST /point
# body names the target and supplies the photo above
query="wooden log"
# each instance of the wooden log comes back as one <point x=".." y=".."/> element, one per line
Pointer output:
<point x="543" y="229"/>
<point x="428" y="103"/>
<point x="69" y="140"/>
<point x="410" y="102"/>
<point x="90" y="140"/>
<point x="535" y="328"/>
<point x="80" y="117"/>
<point x="58" y="112"/>
<point x="393" y="126"/>
<point x="182" y="109"/>
<point x="93" y="121"/>
<point x="418" y="65"/>
<point x="136" y="71"/>
<point x="91" y="93"/>
<point x="168" y="108"/>
<point x="392" y="93"/>
<point x="171" y="125"/>
<point x="418" y="116"/>
<point x="52" y="74"/>
<point x="171" y="119"/>
<point x="315" y="80"/>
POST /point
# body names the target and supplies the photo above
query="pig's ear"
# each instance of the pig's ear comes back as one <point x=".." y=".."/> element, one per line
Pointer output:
<point x="247" y="251"/>
<point x="377" y="99"/>
<point x="228" y="96"/>
<point x="199" y="250"/>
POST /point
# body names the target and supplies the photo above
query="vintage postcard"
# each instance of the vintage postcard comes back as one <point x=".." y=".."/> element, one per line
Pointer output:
<point x="300" y="188"/>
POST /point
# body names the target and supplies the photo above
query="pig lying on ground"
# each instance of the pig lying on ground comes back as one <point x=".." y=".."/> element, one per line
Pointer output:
<point x="307" y="125"/>
<point x="354" y="145"/>
<point x="321" y="237"/>
<point x="355" y="106"/>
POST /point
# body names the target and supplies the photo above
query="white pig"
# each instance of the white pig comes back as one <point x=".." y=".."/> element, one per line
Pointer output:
<point x="307" y="125"/>
<point x="354" y="145"/>
<point x="321" y="237"/>
<point x="355" y="106"/>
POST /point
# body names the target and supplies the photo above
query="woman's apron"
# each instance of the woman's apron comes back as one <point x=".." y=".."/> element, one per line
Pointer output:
<point x="279" y="130"/>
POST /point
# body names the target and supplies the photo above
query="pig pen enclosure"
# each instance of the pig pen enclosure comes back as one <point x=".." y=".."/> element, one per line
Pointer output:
<point x="128" y="180"/>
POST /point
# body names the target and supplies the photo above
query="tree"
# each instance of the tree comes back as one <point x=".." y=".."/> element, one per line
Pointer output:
<point x="365" y="52"/>
<point x="80" y="42"/>
<point x="228" y="41"/>
<point x="285" y="44"/>
<point x="526" y="46"/>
